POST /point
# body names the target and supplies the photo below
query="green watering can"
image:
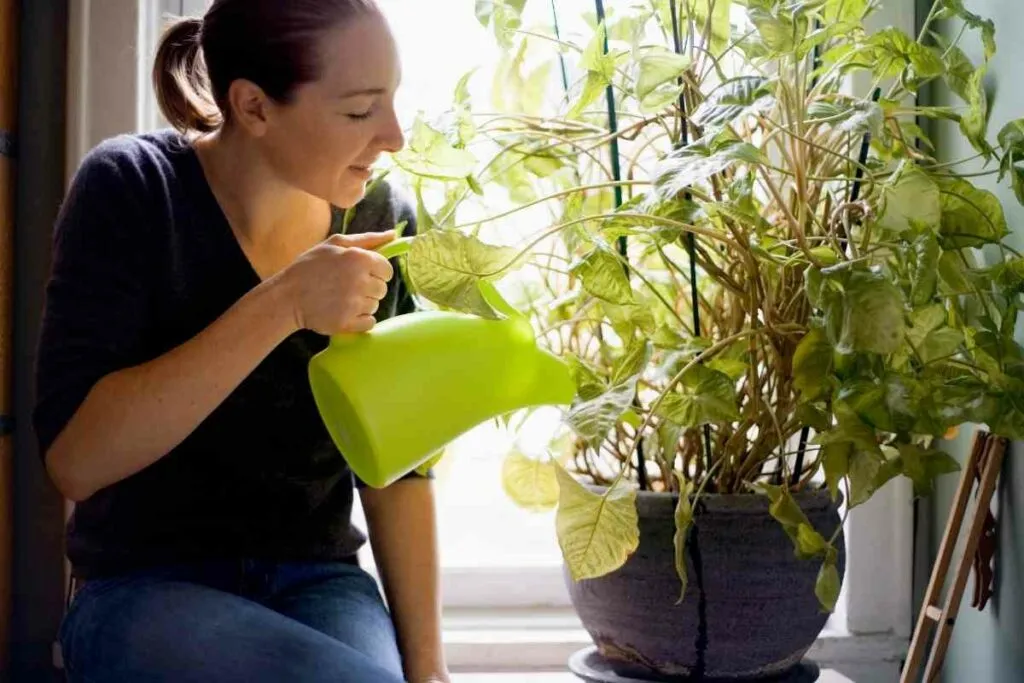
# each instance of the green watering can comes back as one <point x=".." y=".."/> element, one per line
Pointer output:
<point x="394" y="397"/>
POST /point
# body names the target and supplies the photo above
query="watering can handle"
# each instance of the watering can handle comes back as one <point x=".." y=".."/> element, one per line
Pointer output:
<point x="395" y="247"/>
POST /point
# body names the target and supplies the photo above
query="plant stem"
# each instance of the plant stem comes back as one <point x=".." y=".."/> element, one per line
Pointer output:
<point x="556" y="195"/>
<point x="697" y="360"/>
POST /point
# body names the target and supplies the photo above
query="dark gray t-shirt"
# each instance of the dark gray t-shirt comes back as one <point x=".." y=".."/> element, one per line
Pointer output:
<point x="144" y="259"/>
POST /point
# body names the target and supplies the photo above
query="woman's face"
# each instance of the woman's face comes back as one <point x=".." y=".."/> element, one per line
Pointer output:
<point x="327" y="139"/>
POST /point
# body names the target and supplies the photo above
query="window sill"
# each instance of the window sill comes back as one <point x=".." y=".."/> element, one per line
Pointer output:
<point x="500" y="641"/>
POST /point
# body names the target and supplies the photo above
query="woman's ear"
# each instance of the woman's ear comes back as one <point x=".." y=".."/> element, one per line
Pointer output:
<point x="249" y="106"/>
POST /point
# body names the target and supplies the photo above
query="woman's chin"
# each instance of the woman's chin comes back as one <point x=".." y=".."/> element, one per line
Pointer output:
<point x="349" y="196"/>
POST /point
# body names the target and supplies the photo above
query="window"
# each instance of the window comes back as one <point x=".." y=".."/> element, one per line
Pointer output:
<point x="495" y="555"/>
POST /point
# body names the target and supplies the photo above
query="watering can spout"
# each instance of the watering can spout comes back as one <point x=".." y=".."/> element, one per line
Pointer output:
<point x="393" y="397"/>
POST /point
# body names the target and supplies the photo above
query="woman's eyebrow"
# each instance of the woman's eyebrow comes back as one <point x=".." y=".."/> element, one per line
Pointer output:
<point x="361" y="92"/>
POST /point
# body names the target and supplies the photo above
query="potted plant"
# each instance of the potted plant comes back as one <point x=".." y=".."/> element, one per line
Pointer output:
<point x="773" y="297"/>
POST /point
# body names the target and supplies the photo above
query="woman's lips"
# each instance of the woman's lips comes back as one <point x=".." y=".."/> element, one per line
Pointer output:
<point x="363" y="172"/>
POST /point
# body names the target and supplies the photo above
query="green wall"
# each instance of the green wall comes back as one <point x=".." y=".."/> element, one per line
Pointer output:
<point x="988" y="647"/>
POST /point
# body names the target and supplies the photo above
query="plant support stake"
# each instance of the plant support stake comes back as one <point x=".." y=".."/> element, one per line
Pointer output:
<point x="613" y="128"/>
<point x="691" y="240"/>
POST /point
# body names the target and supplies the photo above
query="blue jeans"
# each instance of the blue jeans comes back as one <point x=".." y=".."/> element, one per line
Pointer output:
<point x="221" y="622"/>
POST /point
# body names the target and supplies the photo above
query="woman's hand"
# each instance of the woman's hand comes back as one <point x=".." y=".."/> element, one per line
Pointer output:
<point x="336" y="286"/>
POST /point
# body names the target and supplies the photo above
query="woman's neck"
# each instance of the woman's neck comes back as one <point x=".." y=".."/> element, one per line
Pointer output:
<point x="260" y="208"/>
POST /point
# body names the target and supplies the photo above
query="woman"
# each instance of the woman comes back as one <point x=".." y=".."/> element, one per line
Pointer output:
<point x="195" y="273"/>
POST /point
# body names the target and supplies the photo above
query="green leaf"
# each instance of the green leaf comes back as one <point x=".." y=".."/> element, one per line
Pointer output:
<point x="733" y="361"/>
<point x="600" y="69"/>
<point x="892" y="52"/>
<point x="542" y="164"/>
<point x="864" y="468"/>
<point x="594" y="57"/>
<point x="592" y="89"/>
<point x="820" y="287"/>
<point x="1008" y="276"/>
<point x="1012" y="134"/>
<point x="873" y="315"/>
<point x="597" y="533"/>
<point x="530" y="483"/>
<point x="925" y="268"/>
<point x="806" y="541"/>
<point x="513" y="89"/>
<point x="661" y="443"/>
<point x="974" y="124"/>
<point x="827" y="585"/>
<point x="447" y="266"/>
<point x="780" y="32"/>
<point x="732" y="99"/>
<point x="812" y="365"/>
<point x="844" y="10"/>
<point x="1008" y="421"/>
<point x="485" y="9"/>
<point x="940" y="343"/>
<point x="971" y="217"/>
<point x="720" y="28"/>
<point x="986" y="26"/>
<point x="503" y="15"/>
<point x="911" y="201"/>
<point x="856" y="118"/>
<point x="474" y="186"/>
<point x="923" y="465"/>
<point x="698" y="161"/>
<point x="850" y="449"/>
<point x="1011" y="140"/>
<point x="589" y="384"/>
<point x="835" y="461"/>
<point x="633" y="361"/>
<point x="683" y="519"/>
<point x="959" y="70"/>
<point x="462" y="87"/>
<point x="429" y="154"/>
<point x="951" y="273"/>
<point x="602" y="275"/>
<point x="655" y="69"/>
<point x="593" y="419"/>
<point x="809" y="542"/>
<point x="810" y="415"/>
<point x="707" y="396"/>
<point x="630" y="318"/>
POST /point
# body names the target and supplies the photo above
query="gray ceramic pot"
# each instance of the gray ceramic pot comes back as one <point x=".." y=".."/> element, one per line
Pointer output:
<point x="750" y="610"/>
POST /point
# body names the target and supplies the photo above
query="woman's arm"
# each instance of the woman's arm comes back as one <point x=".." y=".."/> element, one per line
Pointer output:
<point x="402" y="525"/>
<point x="132" y="417"/>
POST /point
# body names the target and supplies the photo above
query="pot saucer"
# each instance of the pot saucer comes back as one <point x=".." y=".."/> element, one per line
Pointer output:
<point x="589" y="665"/>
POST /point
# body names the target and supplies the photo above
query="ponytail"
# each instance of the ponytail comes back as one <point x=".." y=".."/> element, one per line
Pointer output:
<point x="181" y="80"/>
<point x="272" y="43"/>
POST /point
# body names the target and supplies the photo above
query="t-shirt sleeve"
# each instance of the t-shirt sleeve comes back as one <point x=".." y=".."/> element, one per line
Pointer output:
<point x="96" y="297"/>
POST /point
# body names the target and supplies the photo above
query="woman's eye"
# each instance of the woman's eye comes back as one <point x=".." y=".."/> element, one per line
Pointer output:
<point x="359" y="116"/>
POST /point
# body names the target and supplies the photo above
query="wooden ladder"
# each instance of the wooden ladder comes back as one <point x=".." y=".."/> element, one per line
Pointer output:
<point x="982" y="467"/>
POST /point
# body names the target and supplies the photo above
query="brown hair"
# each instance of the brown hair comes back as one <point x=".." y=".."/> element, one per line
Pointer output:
<point x="273" y="43"/>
